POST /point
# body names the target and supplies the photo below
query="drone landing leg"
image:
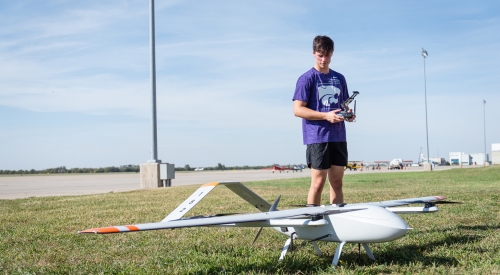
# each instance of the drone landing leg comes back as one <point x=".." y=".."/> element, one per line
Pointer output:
<point x="315" y="245"/>
<point x="316" y="248"/>
<point x="288" y="243"/>
<point x="337" y="254"/>
<point x="285" y="249"/>
<point x="368" y="251"/>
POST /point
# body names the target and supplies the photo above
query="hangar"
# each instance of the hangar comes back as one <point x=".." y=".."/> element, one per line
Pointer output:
<point x="495" y="153"/>
<point x="460" y="158"/>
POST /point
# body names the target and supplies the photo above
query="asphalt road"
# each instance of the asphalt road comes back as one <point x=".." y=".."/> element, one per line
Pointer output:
<point x="17" y="186"/>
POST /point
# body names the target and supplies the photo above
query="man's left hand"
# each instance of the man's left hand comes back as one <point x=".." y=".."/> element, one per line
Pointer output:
<point x="352" y="118"/>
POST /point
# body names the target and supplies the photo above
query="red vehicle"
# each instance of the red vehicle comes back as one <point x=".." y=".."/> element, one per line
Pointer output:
<point x="283" y="168"/>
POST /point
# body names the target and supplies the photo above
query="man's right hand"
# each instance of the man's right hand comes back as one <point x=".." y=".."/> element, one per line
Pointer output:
<point x="300" y="110"/>
<point x="332" y="116"/>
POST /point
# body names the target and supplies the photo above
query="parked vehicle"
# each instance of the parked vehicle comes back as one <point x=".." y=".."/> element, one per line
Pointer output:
<point x="352" y="166"/>
<point x="396" y="164"/>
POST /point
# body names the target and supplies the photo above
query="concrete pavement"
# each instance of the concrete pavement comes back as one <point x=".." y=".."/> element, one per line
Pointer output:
<point x="17" y="186"/>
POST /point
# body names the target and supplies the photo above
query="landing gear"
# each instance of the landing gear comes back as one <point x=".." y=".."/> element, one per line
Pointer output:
<point x="289" y="245"/>
<point x="336" y="258"/>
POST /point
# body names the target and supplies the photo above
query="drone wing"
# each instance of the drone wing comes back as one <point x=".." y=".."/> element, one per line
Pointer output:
<point x="391" y="205"/>
<point x="249" y="220"/>
<point x="403" y="201"/>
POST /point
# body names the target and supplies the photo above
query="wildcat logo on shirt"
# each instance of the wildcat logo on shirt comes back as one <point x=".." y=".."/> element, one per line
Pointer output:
<point x="328" y="95"/>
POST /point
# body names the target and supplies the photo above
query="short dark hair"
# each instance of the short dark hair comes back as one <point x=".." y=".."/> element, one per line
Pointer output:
<point x="323" y="44"/>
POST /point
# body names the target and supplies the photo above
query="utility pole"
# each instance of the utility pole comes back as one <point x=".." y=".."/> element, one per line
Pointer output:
<point x="150" y="171"/>
<point x="154" y="147"/>
<point x="424" y="54"/>
<point x="484" y="113"/>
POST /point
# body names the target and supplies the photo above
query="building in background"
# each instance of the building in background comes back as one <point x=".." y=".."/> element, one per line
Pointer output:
<point x="478" y="158"/>
<point x="460" y="158"/>
<point x="438" y="161"/>
<point x="495" y="153"/>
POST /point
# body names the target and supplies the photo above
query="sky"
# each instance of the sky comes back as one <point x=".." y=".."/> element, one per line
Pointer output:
<point x="75" y="86"/>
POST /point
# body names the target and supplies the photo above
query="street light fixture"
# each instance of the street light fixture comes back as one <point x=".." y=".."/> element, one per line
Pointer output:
<point x="424" y="54"/>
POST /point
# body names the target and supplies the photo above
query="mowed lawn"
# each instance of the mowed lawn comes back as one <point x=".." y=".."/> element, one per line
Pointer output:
<point x="39" y="235"/>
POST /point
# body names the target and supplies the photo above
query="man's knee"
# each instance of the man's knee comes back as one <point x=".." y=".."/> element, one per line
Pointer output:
<point x="336" y="184"/>
<point x="317" y="186"/>
<point x="318" y="179"/>
<point x="316" y="189"/>
<point x="337" y="189"/>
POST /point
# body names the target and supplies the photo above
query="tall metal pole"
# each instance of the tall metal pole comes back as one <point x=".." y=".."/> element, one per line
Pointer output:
<point x="484" y="112"/>
<point x="424" y="54"/>
<point x="154" y="149"/>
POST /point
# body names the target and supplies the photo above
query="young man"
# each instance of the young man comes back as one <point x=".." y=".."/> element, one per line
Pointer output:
<point x="317" y="100"/>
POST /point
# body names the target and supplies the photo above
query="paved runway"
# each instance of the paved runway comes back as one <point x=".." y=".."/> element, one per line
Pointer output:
<point x="17" y="186"/>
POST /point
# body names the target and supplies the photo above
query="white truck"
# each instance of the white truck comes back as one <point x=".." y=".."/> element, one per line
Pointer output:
<point x="396" y="164"/>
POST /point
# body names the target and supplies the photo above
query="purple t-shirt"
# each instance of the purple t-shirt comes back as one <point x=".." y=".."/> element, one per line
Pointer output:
<point x="322" y="93"/>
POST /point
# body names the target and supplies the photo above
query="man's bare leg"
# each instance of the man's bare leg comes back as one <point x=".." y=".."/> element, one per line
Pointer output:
<point x="335" y="175"/>
<point x="318" y="178"/>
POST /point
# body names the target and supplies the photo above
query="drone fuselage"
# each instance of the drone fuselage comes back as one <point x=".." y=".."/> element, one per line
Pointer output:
<point x="371" y="225"/>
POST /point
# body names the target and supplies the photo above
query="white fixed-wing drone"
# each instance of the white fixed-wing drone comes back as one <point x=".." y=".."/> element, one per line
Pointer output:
<point x="362" y="223"/>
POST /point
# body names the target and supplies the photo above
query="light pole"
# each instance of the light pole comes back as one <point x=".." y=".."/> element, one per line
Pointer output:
<point x="484" y="112"/>
<point x="424" y="54"/>
<point x="154" y="149"/>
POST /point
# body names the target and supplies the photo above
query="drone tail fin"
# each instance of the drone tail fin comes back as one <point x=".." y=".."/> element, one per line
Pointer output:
<point x="248" y="195"/>
<point x="238" y="188"/>
<point x="190" y="202"/>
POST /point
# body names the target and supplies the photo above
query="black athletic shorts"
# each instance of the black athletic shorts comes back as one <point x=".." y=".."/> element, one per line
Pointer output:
<point x="322" y="156"/>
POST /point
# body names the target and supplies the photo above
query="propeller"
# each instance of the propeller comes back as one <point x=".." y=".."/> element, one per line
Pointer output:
<point x="257" y="236"/>
<point x="330" y="212"/>
<point x="433" y="203"/>
<point x="447" y="202"/>
<point x="274" y="207"/>
<point x="308" y="205"/>
<point x="296" y="205"/>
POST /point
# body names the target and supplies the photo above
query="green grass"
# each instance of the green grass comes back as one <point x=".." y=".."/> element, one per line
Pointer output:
<point x="39" y="235"/>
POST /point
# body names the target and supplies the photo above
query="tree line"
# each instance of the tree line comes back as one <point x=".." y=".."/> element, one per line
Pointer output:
<point x="64" y="170"/>
<point x="220" y="166"/>
<point x="122" y="168"/>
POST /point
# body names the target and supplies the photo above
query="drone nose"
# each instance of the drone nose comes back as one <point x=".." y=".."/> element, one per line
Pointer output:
<point x="374" y="224"/>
